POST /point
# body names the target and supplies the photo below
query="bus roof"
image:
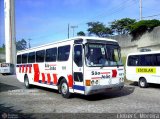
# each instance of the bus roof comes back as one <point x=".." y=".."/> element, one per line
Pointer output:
<point x="142" y="53"/>
<point x="70" y="39"/>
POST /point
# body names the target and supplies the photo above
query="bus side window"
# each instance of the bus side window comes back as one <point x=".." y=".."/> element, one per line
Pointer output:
<point x="24" y="58"/>
<point x="18" y="59"/>
<point x="63" y="53"/>
<point x="158" y="59"/>
<point x="142" y="60"/>
<point x="40" y="56"/>
<point x="31" y="57"/>
<point x="133" y="61"/>
<point x="147" y="60"/>
<point x="153" y="60"/>
<point x="78" y="55"/>
<point x="51" y="55"/>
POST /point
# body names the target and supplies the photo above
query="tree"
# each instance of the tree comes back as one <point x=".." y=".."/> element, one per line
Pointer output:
<point x="3" y="46"/>
<point x="81" y="33"/>
<point x="21" y="45"/>
<point x="139" y="28"/>
<point x="99" y="29"/>
<point x="122" y="26"/>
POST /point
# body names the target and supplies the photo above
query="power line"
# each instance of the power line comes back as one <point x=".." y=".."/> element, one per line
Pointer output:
<point x="112" y="11"/>
<point x="116" y="10"/>
<point x="152" y="16"/>
<point x="73" y="27"/>
<point x="150" y="9"/>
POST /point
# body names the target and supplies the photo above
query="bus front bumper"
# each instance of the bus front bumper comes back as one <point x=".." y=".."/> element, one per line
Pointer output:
<point x="89" y="90"/>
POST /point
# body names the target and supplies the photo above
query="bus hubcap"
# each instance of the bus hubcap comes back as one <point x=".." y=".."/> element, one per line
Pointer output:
<point x="142" y="83"/>
<point x="64" y="88"/>
<point x="26" y="82"/>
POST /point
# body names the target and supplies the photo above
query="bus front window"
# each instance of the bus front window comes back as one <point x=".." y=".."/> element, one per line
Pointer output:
<point x="102" y="55"/>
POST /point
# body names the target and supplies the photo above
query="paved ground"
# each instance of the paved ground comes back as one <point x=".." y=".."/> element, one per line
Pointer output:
<point x="42" y="102"/>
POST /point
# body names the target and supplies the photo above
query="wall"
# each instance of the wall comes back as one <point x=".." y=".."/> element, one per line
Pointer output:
<point x="150" y="40"/>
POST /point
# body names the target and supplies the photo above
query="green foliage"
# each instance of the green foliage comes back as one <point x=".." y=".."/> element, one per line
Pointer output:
<point x="122" y="26"/>
<point x="2" y="50"/>
<point x="99" y="29"/>
<point x="81" y="33"/>
<point x="21" y="45"/>
<point x="124" y="60"/>
<point x="139" y="28"/>
<point x="2" y="60"/>
<point x="3" y="46"/>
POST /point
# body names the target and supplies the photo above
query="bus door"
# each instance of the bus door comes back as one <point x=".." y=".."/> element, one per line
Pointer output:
<point x="78" y="85"/>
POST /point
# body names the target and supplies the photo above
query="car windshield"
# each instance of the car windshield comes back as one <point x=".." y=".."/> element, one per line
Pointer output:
<point x="103" y="55"/>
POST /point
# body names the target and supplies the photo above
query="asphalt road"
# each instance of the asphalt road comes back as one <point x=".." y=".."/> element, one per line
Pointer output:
<point x="16" y="101"/>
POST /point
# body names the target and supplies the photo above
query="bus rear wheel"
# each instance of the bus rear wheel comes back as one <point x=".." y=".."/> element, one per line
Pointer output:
<point x="143" y="83"/>
<point x="64" y="89"/>
<point x="26" y="82"/>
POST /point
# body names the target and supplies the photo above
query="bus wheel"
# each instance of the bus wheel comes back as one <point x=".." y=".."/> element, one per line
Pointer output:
<point x="142" y="83"/>
<point x="64" y="89"/>
<point x="26" y="82"/>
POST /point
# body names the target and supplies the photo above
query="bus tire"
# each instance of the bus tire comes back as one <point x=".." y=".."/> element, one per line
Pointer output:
<point x="26" y="82"/>
<point x="64" y="89"/>
<point x="143" y="83"/>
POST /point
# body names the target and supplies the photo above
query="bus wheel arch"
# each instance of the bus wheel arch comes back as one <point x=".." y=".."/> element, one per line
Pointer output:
<point x="59" y="80"/>
<point x="142" y="82"/>
<point x="26" y="81"/>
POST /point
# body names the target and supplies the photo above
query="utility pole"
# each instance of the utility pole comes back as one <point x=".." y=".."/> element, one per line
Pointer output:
<point x="29" y="45"/>
<point x="73" y="27"/>
<point x="10" y="32"/>
<point x="140" y="8"/>
<point x="68" y="30"/>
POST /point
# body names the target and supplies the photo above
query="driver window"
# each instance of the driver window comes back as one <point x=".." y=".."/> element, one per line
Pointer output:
<point x="78" y="55"/>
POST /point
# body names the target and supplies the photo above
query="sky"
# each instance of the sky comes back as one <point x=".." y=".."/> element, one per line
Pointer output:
<point x="46" y="21"/>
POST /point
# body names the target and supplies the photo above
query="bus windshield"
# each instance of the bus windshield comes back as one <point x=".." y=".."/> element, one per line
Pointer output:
<point x="102" y="55"/>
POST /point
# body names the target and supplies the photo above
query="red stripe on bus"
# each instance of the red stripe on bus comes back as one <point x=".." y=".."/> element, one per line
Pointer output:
<point x="19" y="68"/>
<point x="30" y="68"/>
<point x="49" y="78"/>
<point x="52" y="65"/>
<point x="105" y="72"/>
<point x="26" y="68"/>
<point x="96" y="77"/>
<point x="55" y="79"/>
<point x="36" y="72"/>
<point x="43" y="77"/>
<point x="22" y="68"/>
<point x="114" y="73"/>
<point x="70" y="81"/>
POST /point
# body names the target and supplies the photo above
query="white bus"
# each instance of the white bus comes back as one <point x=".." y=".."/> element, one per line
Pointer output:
<point x="84" y="65"/>
<point x="143" y="67"/>
<point x="6" y="68"/>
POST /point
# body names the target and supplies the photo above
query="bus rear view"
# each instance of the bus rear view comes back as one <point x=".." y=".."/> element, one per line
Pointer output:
<point x="6" y="68"/>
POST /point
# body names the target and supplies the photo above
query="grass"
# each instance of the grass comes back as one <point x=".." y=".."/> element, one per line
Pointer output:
<point x="2" y="50"/>
<point x="124" y="60"/>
